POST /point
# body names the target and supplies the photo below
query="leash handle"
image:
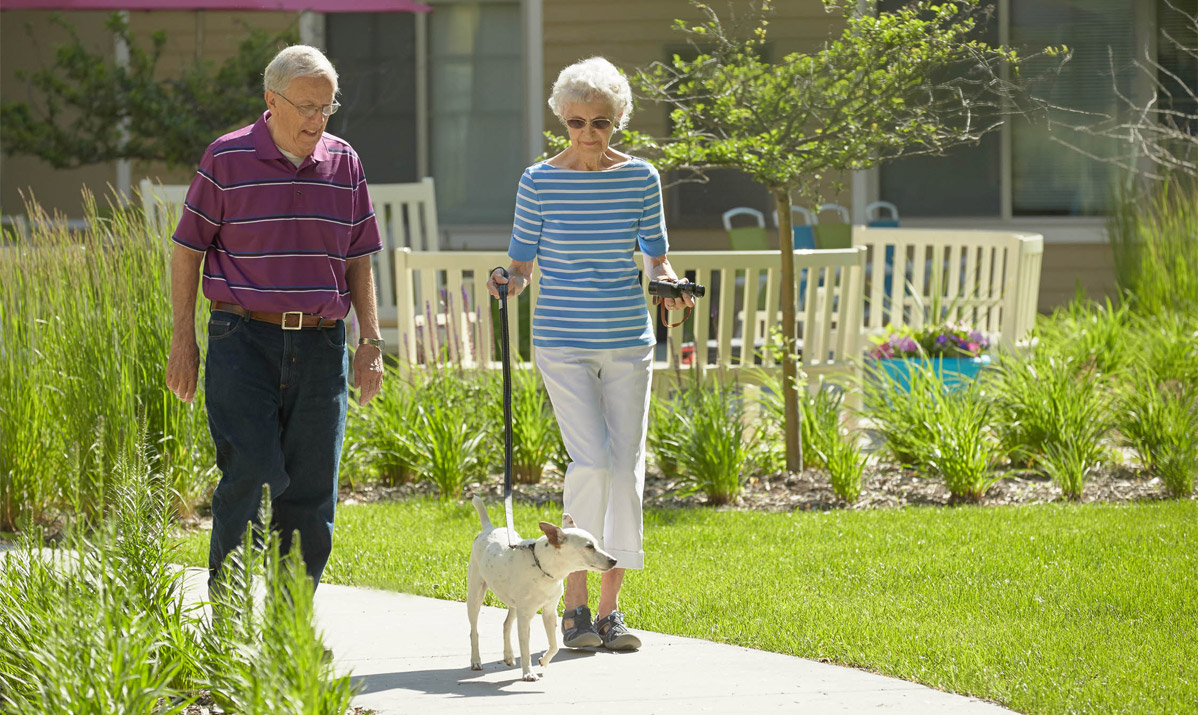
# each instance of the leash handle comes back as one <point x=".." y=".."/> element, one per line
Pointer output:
<point x="506" y="371"/>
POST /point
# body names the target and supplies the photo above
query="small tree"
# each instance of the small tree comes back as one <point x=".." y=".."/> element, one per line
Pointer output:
<point x="868" y="96"/>
<point x="82" y="103"/>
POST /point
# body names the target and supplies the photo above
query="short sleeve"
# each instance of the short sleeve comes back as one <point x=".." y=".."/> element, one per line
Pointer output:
<point x="527" y="221"/>
<point x="203" y="208"/>
<point x="652" y="227"/>
<point x="364" y="236"/>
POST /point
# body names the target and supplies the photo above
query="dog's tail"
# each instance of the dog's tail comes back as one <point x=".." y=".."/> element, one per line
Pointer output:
<point x="483" y="517"/>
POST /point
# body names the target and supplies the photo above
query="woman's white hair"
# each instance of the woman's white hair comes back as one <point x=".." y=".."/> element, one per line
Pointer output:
<point x="298" y="61"/>
<point x="589" y="80"/>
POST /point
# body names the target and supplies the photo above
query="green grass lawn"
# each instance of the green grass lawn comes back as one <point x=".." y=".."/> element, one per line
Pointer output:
<point x="1046" y="609"/>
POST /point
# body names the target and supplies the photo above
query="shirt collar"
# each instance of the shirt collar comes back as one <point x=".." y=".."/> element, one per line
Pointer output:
<point x="264" y="145"/>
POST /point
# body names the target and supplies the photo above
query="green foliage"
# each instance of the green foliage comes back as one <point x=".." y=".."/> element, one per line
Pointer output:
<point x="1153" y="230"/>
<point x="264" y="656"/>
<point x="713" y="450"/>
<point x="101" y="625"/>
<point x="1158" y="419"/>
<point x="453" y="439"/>
<point x="665" y="435"/>
<point x="906" y="419"/>
<point x="1054" y="412"/>
<point x="381" y="443"/>
<point x="864" y="97"/>
<point x="85" y="329"/>
<point x="536" y="438"/>
<point x="84" y="99"/>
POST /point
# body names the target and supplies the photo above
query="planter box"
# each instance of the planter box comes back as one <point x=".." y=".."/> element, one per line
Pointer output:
<point x="954" y="372"/>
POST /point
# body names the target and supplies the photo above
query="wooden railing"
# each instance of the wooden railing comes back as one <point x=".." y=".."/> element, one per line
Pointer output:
<point x="988" y="280"/>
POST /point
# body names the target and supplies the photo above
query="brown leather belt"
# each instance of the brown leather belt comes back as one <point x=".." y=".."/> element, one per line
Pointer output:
<point x="292" y="320"/>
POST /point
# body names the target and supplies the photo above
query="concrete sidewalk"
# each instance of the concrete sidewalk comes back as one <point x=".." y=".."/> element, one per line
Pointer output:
<point x="410" y="654"/>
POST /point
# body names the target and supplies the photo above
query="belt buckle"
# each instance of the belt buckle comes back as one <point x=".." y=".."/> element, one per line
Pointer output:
<point x="299" y="320"/>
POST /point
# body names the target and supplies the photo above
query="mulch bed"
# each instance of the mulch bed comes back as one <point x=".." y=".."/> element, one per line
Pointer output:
<point x="885" y="486"/>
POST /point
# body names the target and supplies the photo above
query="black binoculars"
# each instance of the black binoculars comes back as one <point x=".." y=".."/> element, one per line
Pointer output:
<point x="667" y="289"/>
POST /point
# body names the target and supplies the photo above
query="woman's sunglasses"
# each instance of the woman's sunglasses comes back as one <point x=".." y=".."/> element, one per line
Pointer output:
<point x="599" y="123"/>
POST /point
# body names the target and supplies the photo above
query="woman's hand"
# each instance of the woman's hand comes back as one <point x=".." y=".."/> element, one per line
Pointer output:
<point x="517" y="280"/>
<point x="661" y="270"/>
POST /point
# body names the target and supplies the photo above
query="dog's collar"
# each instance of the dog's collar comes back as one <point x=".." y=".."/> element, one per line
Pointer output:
<point x="533" y="550"/>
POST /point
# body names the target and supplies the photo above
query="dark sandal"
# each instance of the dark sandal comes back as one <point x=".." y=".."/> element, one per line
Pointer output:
<point x="582" y="634"/>
<point x="615" y="635"/>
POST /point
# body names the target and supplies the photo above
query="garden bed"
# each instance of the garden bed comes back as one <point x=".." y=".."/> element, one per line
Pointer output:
<point x="885" y="486"/>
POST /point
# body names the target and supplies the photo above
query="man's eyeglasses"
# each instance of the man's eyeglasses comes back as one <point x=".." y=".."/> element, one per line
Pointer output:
<point x="308" y="110"/>
<point x="600" y="123"/>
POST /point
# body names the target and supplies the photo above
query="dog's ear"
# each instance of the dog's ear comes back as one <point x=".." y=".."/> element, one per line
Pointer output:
<point x="568" y="522"/>
<point x="553" y="533"/>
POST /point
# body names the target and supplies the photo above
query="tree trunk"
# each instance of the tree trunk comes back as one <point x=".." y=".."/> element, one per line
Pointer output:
<point x="787" y="305"/>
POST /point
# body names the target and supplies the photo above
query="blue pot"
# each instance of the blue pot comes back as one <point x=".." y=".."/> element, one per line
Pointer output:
<point x="954" y="372"/>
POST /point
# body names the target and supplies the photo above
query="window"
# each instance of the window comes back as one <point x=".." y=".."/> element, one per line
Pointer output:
<point x="964" y="182"/>
<point x="474" y="97"/>
<point x="476" y="127"/>
<point x="1045" y="178"/>
<point x="374" y="57"/>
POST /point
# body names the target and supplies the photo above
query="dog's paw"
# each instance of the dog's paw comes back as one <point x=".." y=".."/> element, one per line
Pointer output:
<point x="476" y="666"/>
<point x="542" y="661"/>
<point x="530" y="677"/>
<point x="509" y="659"/>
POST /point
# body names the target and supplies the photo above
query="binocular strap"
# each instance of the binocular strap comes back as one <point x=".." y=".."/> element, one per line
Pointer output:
<point x="662" y="315"/>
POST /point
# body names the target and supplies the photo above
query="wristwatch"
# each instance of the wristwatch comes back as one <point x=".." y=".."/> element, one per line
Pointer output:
<point x="377" y="342"/>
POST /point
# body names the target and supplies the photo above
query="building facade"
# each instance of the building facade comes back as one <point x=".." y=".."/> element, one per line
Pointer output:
<point x="459" y="94"/>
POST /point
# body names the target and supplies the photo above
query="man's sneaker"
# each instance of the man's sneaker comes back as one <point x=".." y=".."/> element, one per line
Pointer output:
<point x="615" y="635"/>
<point x="581" y="634"/>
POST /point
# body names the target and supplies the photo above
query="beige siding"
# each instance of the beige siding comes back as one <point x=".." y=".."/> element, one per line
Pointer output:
<point x="29" y="43"/>
<point x="192" y="35"/>
<point x="1064" y="264"/>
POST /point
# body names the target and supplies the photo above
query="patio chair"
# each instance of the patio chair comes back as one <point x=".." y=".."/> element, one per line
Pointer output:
<point x="833" y="235"/>
<point x="162" y="203"/>
<point x="746" y="238"/>
<point x="802" y="231"/>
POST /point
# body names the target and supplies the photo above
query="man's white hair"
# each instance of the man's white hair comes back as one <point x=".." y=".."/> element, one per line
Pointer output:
<point x="298" y="61"/>
<point x="590" y="80"/>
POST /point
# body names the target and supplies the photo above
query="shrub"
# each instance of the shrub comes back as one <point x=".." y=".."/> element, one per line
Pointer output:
<point x="535" y="431"/>
<point x="1152" y="230"/>
<point x="1158" y="419"/>
<point x="905" y="418"/>
<point x="379" y="439"/>
<point x="713" y="449"/>
<point x="963" y="450"/>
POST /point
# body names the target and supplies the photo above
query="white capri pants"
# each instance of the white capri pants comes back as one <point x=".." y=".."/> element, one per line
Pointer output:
<point x="601" y="400"/>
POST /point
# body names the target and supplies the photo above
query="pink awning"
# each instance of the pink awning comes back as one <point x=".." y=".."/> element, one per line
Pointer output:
<point x="285" y="5"/>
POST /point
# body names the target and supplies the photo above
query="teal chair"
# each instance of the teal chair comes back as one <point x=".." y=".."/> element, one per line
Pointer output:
<point x="802" y="230"/>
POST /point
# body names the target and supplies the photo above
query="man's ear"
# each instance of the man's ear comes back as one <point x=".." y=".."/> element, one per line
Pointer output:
<point x="568" y="522"/>
<point x="553" y="533"/>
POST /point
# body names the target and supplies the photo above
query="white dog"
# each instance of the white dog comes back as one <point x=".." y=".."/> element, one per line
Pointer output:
<point x="527" y="576"/>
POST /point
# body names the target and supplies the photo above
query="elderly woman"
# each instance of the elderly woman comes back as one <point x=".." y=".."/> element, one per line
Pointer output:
<point x="581" y="215"/>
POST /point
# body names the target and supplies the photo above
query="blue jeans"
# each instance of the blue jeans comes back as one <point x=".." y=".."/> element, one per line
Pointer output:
<point x="277" y="413"/>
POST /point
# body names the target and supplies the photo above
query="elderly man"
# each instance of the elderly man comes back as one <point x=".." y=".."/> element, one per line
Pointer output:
<point x="279" y="216"/>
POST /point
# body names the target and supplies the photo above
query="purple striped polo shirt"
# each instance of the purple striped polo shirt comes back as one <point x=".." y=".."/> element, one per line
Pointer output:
<point x="276" y="237"/>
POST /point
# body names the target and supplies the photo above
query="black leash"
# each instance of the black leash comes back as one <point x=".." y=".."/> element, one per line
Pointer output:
<point x="507" y="372"/>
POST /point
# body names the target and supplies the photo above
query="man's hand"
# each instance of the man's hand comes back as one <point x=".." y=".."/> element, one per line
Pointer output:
<point x="183" y="366"/>
<point x="368" y="372"/>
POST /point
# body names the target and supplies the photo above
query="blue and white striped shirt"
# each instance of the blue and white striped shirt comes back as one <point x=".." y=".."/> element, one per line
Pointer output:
<point x="583" y="227"/>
